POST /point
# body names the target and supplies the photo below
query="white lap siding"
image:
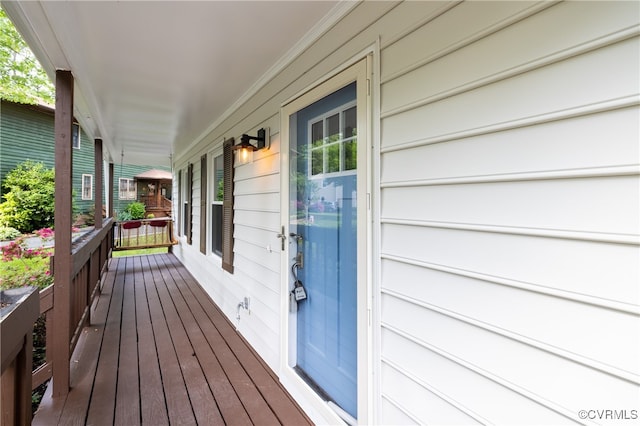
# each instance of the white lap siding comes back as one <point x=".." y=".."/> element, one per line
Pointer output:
<point x="506" y="220"/>
<point x="509" y="215"/>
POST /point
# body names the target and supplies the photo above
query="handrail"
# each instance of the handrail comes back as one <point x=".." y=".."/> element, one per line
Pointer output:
<point x="90" y="256"/>
<point x="166" y="203"/>
<point x="155" y="201"/>
<point x="16" y="333"/>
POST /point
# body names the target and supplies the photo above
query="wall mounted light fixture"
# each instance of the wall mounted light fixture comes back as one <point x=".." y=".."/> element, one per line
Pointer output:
<point x="245" y="148"/>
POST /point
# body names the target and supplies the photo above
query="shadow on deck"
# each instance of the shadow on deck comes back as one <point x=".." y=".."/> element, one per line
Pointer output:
<point x="159" y="352"/>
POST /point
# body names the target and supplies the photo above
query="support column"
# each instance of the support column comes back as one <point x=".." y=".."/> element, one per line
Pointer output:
<point x="98" y="165"/>
<point x="110" y="191"/>
<point x="63" y="261"/>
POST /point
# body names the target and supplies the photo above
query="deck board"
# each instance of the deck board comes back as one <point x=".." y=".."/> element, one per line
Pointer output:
<point x="127" y="408"/>
<point x="160" y="352"/>
<point x="153" y="407"/>
<point x="102" y="402"/>
<point x="179" y="408"/>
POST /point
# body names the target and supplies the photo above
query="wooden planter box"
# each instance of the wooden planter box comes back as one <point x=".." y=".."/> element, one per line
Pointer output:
<point x="132" y="224"/>
<point x="16" y="332"/>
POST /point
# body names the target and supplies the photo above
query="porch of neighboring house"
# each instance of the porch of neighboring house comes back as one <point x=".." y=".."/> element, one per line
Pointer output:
<point x="154" y="189"/>
<point x="159" y="351"/>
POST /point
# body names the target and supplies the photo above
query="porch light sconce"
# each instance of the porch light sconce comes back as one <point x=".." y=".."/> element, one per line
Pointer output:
<point x="245" y="148"/>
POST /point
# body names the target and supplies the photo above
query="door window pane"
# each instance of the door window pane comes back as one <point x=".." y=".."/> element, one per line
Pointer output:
<point x="333" y="128"/>
<point x="317" y="134"/>
<point x="332" y="143"/>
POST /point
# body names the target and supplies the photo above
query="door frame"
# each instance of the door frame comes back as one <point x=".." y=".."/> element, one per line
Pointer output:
<point x="360" y="71"/>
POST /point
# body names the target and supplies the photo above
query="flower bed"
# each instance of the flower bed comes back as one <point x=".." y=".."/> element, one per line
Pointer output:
<point x="22" y="266"/>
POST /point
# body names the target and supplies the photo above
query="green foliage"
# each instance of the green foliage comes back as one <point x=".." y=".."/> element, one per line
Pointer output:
<point x="23" y="266"/>
<point x="22" y="272"/>
<point x="133" y="211"/>
<point x="22" y="79"/>
<point x="220" y="190"/>
<point x="137" y="210"/>
<point x="8" y="233"/>
<point x="30" y="198"/>
<point x="124" y="216"/>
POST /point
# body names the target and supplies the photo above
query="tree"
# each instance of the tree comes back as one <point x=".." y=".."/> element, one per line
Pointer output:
<point x="30" y="199"/>
<point x="22" y="78"/>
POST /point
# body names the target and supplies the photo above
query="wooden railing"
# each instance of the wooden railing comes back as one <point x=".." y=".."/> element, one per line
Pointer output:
<point x="147" y="233"/>
<point x="155" y="201"/>
<point x="90" y="260"/>
<point x="16" y="332"/>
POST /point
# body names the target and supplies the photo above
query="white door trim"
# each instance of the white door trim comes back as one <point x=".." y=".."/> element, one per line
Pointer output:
<point x="359" y="72"/>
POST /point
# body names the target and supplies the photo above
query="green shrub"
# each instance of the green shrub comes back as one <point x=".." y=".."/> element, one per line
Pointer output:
<point x="30" y="197"/>
<point x="136" y="210"/>
<point x="8" y="233"/>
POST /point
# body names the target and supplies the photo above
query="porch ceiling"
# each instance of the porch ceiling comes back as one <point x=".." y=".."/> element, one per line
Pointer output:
<point x="151" y="77"/>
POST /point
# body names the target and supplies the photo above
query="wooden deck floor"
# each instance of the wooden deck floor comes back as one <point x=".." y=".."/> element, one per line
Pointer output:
<point x="160" y="352"/>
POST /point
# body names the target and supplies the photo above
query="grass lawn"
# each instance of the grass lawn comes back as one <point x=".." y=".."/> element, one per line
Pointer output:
<point x="139" y="252"/>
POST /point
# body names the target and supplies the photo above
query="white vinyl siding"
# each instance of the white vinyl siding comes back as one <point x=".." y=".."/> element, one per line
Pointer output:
<point x="509" y="214"/>
<point x="506" y="204"/>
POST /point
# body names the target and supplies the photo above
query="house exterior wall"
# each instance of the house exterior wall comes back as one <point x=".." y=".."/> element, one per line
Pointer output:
<point x="128" y="171"/>
<point x="27" y="133"/>
<point x="505" y="202"/>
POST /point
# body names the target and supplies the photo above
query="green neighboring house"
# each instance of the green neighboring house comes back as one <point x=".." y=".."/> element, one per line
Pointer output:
<point x="27" y="133"/>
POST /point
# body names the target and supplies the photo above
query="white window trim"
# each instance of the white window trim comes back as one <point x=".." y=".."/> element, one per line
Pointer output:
<point x="340" y="110"/>
<point x="90" y="197"/>
<point x="127" y="193"/>
<point x="78" y="131"/>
